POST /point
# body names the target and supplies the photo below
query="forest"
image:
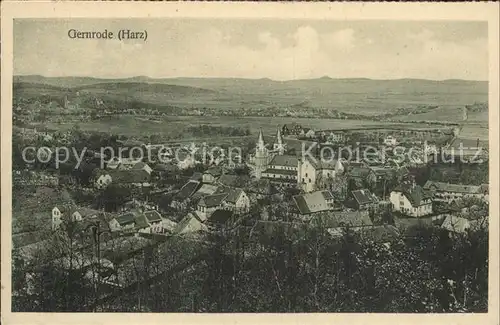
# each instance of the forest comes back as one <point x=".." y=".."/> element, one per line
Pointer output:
<point x="272" y="268"/>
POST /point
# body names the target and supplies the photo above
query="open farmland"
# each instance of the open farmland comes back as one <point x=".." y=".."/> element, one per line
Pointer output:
<point x="171" y="126"/>
<point x="256" y="96"/>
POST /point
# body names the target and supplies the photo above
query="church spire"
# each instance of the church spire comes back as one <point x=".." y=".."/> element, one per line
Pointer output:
<point x="260" y="142"/>
<point x="278" y="138"/>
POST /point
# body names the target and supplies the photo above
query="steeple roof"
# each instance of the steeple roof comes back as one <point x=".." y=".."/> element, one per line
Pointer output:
<point x="260" y="142"/>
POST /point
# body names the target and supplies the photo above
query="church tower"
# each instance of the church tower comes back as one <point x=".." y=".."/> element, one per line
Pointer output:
<point x="261" y="156"/>
<point x="279" y="148"/>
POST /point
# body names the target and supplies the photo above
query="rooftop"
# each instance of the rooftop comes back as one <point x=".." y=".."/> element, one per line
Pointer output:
<point x="363" y="196"/>
<point x="187" y="190"/>
<point x="456" y="188"/>
<point x="212" y="200"/>
<point x="285" y="160"/>
<point x="313" y="202"/>
<point x="414" y="193"/>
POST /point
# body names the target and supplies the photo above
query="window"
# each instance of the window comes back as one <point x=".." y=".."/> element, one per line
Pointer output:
<point x="306" y="174"/>
<point x="309" y="180"/>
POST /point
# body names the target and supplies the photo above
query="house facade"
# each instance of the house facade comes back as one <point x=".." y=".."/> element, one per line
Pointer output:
<point x="412" y="201"/>
<point x="446" y="192"/>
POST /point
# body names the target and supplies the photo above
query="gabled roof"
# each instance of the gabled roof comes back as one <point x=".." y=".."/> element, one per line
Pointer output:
<point x="220" y="216"/>
<point x="141" y="221"/>
<point x="204" y="190"/>
<point x="454" y="188"/>
<point x="189" y="224"/>
<point x="284" y="160"/>
<point x="141" y="166"/>
<point x="212" y="200"/>
<point x="312" y="202"/>
<point x="197" y="176"/>
<point x="414" y="193"/>
<point x="152" y="216"/>
<point x="233" y="195"/>
<point x="125" y="219"/>
<point x="187" y="190"/>
<point x="363" y="196"/>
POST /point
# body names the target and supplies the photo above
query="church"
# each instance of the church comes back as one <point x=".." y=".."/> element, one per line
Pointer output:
<point x="290" y="170"/>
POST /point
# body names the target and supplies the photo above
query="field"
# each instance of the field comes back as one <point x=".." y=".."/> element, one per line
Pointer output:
<point x="356" y="96"/>
<point x="173" y="125"/>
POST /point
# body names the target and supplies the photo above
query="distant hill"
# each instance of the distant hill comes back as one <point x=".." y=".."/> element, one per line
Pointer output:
<point x="358" y="96"/>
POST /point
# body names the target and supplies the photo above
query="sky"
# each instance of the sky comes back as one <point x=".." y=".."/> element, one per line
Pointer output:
<point x="240" y="48"/>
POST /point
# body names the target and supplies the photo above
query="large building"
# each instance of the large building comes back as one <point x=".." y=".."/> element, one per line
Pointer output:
<point x="411" y="200"/>
<point x="446" y="192"/>
<point x="263" y="156"/>
<point x="288" y="170"/>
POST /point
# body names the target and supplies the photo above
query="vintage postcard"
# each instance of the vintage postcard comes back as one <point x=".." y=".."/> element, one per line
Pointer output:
<point x="250" y="162"/>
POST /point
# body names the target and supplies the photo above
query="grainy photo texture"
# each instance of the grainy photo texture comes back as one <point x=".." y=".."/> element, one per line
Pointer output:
<point x="250" y="165"/>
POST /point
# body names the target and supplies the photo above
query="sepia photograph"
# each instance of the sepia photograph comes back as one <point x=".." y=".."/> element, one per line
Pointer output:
<point x="250" y="165"/>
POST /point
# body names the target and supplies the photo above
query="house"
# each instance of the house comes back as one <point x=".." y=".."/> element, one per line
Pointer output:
<point x="113" y="163"/>
<point x="336" y="222"/>
<point x="411" y="200"/>
<point x="282" y="169"/>
<point x="221" y="218"/>
<point x="204" y="190"/>
<point x="102" y="180"/>
<point x="310" y="170"/>
<point x="294" y="129"/>
<point x="75" y="213"/>
<point x="84" y="213"/>
<point x="210" y="203"/>
<point x="456" y="224"/>
<point x="190" y="224"/>
<point x="143" y="166"/>
<point x="123" y="222"/>
<point x="197" y="176"/>
<point x="211" y="175"/>
<point x="311" y="203"/>
<point x="233" y="199"/>
<point x="390" y="141"/>
<point x="359" y="176"/>
<point x="383" y="173"/>
<point x="446" y="192"/>
<point x="135" y="219"/>
<point x="185" y="160"/>
<point x="180" y="199"/>
<point x="152" y="217"/>
<point x="165" y="171"/>
<point x="237" y="200"/>
<point x="335" y="137"/>
<point x="363" y="199"/>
